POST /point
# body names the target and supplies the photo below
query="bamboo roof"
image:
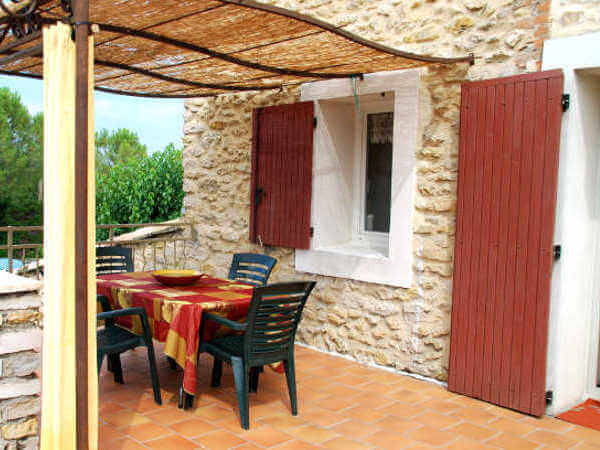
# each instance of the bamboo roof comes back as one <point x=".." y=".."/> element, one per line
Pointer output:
<point x="195" y="48"/>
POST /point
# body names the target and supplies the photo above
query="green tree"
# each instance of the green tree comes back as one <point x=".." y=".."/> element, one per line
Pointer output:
<point x="146" y="190"/>
<point x="120" y="147"/>
<point x="20" y="162"/>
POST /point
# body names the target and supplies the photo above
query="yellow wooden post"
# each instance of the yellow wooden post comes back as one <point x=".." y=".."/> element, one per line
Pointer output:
<point x="59" y="405"/>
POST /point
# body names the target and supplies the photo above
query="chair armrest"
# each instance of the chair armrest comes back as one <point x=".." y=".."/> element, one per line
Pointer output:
<point x="121" y="312"/>
<point x="228" y="323"/>
<point x="110" y="315"/>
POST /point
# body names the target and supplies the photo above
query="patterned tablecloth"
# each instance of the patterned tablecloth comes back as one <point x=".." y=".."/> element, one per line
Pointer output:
<point x="175" y="313"/>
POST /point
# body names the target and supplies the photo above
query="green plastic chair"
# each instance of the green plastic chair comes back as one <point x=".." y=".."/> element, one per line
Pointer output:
<point x="113" y="340"/>
<point x="268" y="338"/>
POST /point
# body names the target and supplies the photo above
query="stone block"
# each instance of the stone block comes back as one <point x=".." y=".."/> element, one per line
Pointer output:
<point x="18" y="408"/>
<point x="18" y="430"/>
<point x="17" y="387"/>
<point x="20" y="340"/>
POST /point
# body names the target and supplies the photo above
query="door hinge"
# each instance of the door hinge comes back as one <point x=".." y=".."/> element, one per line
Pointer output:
<point x="557" y="252"/>
<point x="314" y="122"/>
<point x="549" y="397"/>
<point x="565" y="101"/>
<point x="312" y="231"/>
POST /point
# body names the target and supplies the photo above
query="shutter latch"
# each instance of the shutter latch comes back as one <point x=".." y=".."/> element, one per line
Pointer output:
<point x="315" y="122"/>
<point x="549" y="397"/>
<point x="557" y="252"/>
<point x="565" y="102"/>
<point x="312" y="231"/>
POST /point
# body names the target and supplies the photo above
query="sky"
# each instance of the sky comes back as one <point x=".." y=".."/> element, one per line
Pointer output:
<point x="156" y="121"/>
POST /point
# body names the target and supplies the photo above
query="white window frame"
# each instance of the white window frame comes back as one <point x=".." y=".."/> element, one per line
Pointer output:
<point x="331" y="198"/>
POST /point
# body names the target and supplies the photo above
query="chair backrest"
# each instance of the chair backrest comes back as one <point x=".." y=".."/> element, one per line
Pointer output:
<point x="273" y="318"/>
<point x="113" y="260"/>
<point x="253" y="268"/>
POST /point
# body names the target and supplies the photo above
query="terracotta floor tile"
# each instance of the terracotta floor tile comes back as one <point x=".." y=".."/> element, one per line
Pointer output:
<point x="218" y="440"/>
<point x="192" y="428"/>
<point x="356" y="430"/>
<point x="335" y="403"/>
<point x="511" y="426"/>
<point x="441" y="406"/>
<point x="368" y="400"/>
<point x="408" y="396"/>
<point x="584" y="434"/>
<point x="512" y="442"/>
<point x="147" y="431"/>
<point x="313" y="434"/>
<point x="168" y="416"/>
<point x="431" y="436"/>
<point x="284" y="422"/>
<point x="551" y="439"/>
<point x="125" y="418"/>
<point x="144" y="404"/>
<point x="297" y="445"/>
<point x="549" y="423"/>
<point x="389" y="440"/>
<point x="472" y="431"/>
<point x="397" y="424"/>
<point x="365" y="415"/>
<point x="464" y="443"/>
<point x="352" y="380"/>
<point x="247" y="446"/>
<point x="435" y="420"/>
<point x="474" y="415"/>
<point x="108" y="433"/>
<point x="586" y="446"/>
<point x="122" y="444"/>
<point x="344" y="444"/>
<point x="265" y="436"/>
<point x="382" y="390"/>
<point x="322" y="417"/>
<point x="214" y="413"/>
<point x="172" y="442"/>
<point x="402" y="410"/>
<point x="106" y="408"/>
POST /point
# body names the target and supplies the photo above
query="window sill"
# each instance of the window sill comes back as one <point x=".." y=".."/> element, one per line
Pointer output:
<point x="358" y="248"/>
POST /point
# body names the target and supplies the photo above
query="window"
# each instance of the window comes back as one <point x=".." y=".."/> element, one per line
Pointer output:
<point x="362" y="183"/>
<point x="377" y="190"/>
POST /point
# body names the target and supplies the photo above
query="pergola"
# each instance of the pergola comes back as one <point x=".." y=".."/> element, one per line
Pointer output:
<point x="144" y="48"/>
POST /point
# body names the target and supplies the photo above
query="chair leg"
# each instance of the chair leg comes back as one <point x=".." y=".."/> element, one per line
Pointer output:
<point x="240" y="375"/>
<point x="216" y="373"/>
<point x="254" y="373"/>
<point x="154" y="374"/>
<point x="172" y="363"/>
<point x="115" y="363"/>
<point x="100" y="357"/>
<point x="290" y="375"/>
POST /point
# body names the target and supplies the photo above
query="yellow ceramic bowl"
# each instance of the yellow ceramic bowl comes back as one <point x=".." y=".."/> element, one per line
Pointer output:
<point x="177" y="277"/>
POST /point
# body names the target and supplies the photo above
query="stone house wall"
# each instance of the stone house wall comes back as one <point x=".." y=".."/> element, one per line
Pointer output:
<point x="407" y="329"/>
<point x="20" y="344"/>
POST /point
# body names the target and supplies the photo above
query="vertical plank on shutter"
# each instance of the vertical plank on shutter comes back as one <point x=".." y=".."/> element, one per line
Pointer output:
<point x="484" y="319"/>
<point x="254" y="173"/>
<point x="550" y="156"/>
<point x="508" y="165"/>
<point x="540" y="92"/>
<point x="523" y="237"/>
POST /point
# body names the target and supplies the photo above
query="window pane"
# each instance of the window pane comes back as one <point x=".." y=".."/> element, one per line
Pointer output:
<point x="378" y="183"/>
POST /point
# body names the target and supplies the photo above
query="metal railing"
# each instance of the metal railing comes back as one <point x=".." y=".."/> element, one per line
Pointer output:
<point x="155" y="245"/>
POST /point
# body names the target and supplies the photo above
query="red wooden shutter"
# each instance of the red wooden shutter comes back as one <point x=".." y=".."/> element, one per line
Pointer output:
<point x="508" y="168"/>
<point x="282" y="152"/>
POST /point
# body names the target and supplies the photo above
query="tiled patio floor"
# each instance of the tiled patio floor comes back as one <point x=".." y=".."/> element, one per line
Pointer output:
<point x="342" y="405"/>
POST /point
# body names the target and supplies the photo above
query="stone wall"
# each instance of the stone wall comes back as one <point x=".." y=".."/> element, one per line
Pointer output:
<point x="407" y="329"/>
<point x="20" y="344"/>
<point x="573" y="17"/>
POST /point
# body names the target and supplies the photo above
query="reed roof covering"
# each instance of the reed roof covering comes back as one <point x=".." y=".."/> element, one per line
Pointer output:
<point x="195" y="48"/>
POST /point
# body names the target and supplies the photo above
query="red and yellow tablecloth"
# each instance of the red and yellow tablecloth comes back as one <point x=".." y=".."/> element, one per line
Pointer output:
<point x="175" y="313"/>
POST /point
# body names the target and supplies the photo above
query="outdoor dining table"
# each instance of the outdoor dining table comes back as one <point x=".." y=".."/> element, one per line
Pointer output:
<point x="175" y="313"/>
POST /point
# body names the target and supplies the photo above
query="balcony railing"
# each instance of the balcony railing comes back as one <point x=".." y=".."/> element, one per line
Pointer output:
<point x="155" y="245"/>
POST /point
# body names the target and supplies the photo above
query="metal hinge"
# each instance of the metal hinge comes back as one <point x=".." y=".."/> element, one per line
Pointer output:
<point x="549" y="397"/>
<point x="557" y="252"/>
<point x="565" y="102"/>
<point x="315" y="122"/>
<point x="312" y="231"/>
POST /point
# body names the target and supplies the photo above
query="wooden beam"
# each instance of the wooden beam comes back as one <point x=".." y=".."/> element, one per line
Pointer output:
<point x="70" y="383"/>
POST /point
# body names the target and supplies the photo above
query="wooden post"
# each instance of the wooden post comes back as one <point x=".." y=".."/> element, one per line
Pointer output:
<point x="69" y="385"/>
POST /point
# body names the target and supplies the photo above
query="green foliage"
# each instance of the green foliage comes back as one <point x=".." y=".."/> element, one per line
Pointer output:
<point x="120" y="147"/>
<point x="147" y="190"/>
<point x="20" y="162"/>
